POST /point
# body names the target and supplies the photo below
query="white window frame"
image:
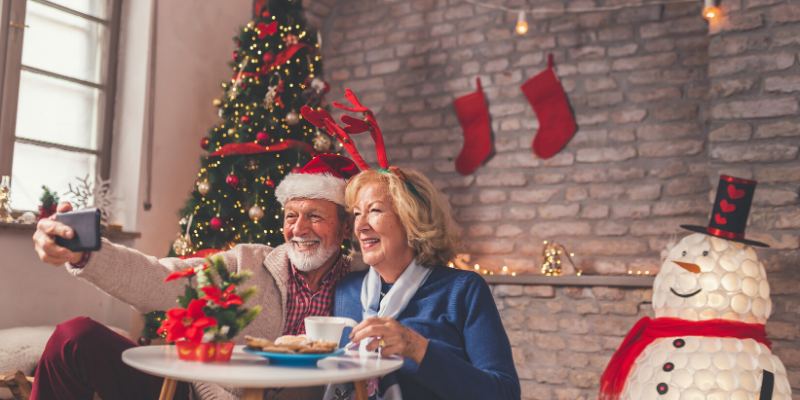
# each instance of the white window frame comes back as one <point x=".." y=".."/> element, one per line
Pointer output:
<point x="12" y="30"/>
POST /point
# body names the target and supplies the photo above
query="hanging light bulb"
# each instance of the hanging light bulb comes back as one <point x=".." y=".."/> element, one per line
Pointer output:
<point x="710" y="10"/>
<point x="522" y="25"/>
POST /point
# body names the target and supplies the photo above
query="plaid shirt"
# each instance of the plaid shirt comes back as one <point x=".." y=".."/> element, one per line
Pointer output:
<point x="302" y="303"/>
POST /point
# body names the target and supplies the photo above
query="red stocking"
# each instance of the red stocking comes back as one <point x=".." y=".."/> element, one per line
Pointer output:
<point x="556" y="123"/>
<point x="474" y="117"/>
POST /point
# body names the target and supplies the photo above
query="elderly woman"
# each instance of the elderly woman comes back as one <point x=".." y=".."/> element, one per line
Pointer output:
<point x="442" y="321"/>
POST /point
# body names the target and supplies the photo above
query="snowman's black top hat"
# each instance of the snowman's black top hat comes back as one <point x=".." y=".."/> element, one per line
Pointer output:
<point x="730" y="212"/>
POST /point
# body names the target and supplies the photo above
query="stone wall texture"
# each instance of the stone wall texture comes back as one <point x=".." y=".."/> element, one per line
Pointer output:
<point x="664" y="102"/>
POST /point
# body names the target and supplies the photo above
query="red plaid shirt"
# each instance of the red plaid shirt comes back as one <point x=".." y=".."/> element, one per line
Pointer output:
<point x="302" y="303"/>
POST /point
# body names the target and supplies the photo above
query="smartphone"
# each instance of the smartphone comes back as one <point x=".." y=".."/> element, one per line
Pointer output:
<point x="85" y="225"/>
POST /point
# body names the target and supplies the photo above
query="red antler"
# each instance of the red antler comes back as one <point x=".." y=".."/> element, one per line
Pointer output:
<point x="356" y="125"/>
<point x="323" y="119"/>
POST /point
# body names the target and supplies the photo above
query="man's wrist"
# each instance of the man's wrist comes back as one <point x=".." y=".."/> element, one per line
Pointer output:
<point x="81" y="262"/>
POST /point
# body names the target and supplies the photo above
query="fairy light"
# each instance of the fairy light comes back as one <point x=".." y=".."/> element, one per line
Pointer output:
<point x="710" y="10"/>
<point x="522" y="24"/>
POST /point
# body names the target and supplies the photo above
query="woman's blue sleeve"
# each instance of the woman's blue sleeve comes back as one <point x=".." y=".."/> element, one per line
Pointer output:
<point x="491" y="373"/>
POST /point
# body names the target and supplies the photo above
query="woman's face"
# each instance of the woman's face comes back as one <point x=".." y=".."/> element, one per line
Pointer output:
<point x="378" y="227"/>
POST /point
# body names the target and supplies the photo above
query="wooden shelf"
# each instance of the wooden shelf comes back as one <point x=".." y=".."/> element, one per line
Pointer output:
<point x="13" y="226"/>
<point x="585" y="280"/>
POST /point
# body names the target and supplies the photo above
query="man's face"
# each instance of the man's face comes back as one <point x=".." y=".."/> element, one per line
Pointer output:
<point x="314" y="230"/>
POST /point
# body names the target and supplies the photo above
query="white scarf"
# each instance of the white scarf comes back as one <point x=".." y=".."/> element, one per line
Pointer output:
<point x="394" y="302"/>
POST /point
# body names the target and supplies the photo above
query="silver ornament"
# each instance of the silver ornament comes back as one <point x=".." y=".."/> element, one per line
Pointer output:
<point x="322" y="143"/>
<point x="204" y="187"/>
<point x="292" y="118"/>
<point x="255" y="213"/>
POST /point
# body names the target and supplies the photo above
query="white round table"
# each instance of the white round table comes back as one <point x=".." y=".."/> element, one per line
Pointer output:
<point x="254" y="373"/>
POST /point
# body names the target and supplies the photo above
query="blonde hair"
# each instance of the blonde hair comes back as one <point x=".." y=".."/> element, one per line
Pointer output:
<point x="427" y="219"/>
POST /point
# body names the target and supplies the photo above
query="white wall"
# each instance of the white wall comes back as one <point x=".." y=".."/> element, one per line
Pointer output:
<point x="193" y="49"/>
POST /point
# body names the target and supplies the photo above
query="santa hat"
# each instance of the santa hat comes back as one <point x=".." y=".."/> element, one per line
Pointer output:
<point x="324" y="178"/>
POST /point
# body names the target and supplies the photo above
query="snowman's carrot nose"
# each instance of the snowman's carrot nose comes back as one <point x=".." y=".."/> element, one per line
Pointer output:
<point x="693" y="268"/>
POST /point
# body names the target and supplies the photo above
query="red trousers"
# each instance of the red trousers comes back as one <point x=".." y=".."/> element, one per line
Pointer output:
<point x="83" y="357"/>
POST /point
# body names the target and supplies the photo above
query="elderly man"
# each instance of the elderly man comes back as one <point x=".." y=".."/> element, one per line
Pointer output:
<point x="295" y="280"/>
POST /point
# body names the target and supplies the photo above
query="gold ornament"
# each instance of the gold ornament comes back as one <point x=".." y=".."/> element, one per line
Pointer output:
<point x="292" y="118"/>
<point x="204" y="187"/>
<point x="255" y="213"/>
<point x="5" y="199"/>
<point x="231" y="131"/>
<point x="182" y="245"/>
<point x="217" y="102"/>
<point x="322" y="142"/>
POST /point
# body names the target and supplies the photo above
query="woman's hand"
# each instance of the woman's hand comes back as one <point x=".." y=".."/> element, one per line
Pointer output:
<point x="399" y="339"/>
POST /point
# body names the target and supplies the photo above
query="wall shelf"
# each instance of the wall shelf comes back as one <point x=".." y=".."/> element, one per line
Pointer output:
<point x="13" y="226"/>
<point x="585" y="280"/>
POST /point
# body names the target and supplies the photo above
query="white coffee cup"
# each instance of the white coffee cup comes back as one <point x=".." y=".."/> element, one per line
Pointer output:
<point x="327" y="328"/>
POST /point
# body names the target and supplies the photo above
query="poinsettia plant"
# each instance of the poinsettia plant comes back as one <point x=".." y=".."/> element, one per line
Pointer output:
<point x="214" y="311"/>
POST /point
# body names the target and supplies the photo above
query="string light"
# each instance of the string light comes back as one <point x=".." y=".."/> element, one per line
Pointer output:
<point x="710" y="10"/>
<point x="522" y="24"/>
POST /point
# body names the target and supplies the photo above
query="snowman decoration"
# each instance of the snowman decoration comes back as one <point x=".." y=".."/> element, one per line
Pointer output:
<point x="711" y="301"/>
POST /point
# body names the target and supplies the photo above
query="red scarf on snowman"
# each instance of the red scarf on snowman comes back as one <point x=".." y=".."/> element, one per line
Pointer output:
<point x="647" y="330"/>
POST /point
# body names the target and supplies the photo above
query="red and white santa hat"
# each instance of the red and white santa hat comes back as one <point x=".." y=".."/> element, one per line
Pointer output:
<point x="324" y="178"/>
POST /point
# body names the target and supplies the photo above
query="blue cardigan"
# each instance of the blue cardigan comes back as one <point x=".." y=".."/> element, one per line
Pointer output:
<point x="468" y="354"/>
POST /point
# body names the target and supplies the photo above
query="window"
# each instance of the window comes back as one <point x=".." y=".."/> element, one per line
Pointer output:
<point x="58" y="85"/>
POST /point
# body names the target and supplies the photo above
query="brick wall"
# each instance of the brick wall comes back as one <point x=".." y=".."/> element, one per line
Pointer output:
<point x="755" y="133"/>
<point x="636" y="79"/>
<point x="663" y="106"/>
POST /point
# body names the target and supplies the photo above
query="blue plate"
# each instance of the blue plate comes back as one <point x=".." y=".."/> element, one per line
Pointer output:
<point x="294" y="360"/>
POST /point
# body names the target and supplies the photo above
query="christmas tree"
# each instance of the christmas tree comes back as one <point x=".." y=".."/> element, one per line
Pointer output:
<point x="260" y="138"/>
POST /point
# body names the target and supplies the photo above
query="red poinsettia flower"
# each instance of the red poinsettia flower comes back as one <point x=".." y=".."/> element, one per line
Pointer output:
<point x="188" y="323"/>
<point x="221" y="298"/>
<point x="182" y="274"/>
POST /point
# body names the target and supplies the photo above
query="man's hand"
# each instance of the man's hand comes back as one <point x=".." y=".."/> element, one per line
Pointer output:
<point x="44" y="239"/>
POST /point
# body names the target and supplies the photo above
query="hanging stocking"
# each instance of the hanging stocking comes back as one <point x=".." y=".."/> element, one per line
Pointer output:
<point x="556" y="122"/>
<point x="474" y="117"/>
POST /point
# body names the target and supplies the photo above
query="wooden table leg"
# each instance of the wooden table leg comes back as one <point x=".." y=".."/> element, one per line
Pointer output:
<point x="253" y="394"/>
<point x="168" y="389"/>
<point x="361" y="390"/>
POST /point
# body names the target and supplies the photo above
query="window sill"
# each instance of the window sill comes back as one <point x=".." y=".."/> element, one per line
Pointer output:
<point x="30" y="228"/>
<point x="585" y="280"/>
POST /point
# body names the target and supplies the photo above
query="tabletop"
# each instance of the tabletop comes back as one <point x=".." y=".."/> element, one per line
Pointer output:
<point x="253" y="371"/>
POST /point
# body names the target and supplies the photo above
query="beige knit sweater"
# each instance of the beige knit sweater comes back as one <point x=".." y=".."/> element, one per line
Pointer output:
<point x="138" y="279"/>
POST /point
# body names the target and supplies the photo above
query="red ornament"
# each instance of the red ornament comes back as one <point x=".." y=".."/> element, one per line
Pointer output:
<point x="245" y="119"/>
<point x="204" y="143"/>
<point x="262" y="138"/>
<point x="235" y="54"/>
<point x="269" y="58"/>
<point x="238" y="43"/>
<point x="270" y="183"/>
<point x="232" y="180"/>
<point x="216" y="223"/>
<point x="296" y="169"/>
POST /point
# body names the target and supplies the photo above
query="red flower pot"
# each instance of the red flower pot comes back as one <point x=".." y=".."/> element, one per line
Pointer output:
<point x="204" y="352"/>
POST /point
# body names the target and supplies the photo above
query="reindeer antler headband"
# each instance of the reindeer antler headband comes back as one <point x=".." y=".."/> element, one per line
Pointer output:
<point x="323" y="120"/>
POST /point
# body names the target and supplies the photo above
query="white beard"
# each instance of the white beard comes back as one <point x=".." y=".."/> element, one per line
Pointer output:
<point x="310" y="260"/>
